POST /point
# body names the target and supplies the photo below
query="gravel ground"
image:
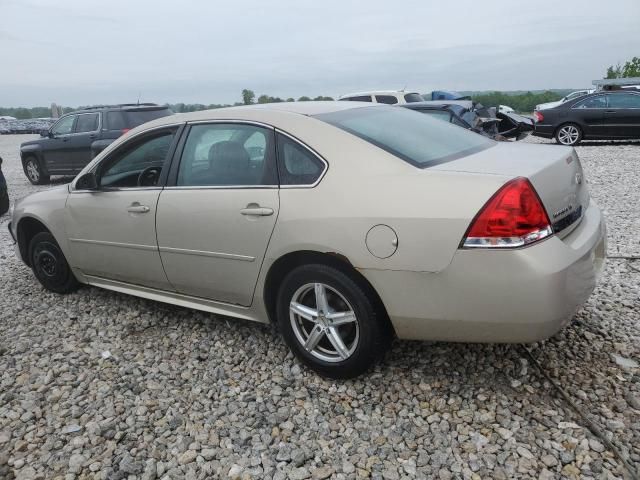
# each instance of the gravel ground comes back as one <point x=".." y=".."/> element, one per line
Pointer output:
<point x="107" y="386"/>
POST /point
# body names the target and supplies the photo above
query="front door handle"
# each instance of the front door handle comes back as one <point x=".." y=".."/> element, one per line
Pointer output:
<point x="610" y="111"/>
<point x="137" y="208"/>
<point x="257" y="211"/>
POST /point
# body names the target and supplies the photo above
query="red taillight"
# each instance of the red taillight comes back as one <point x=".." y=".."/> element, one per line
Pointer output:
<point x="124" y="130"/>
<point x="539" y="116"/>
<point x="513" y="217"/>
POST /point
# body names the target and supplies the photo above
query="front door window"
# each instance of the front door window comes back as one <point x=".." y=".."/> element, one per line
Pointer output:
<point x="64" y="126"/>
<point x="137" y="165"/>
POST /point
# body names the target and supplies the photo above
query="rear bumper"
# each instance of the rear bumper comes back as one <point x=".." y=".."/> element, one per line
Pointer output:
<point x="542" y="130"/>
<point x="520" y="295"/>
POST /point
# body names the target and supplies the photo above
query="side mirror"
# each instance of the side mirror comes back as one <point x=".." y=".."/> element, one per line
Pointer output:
<point x="88" y="181"/>
<point x="45" y="133"/>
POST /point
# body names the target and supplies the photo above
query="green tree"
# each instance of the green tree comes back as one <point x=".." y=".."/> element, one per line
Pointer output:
<point x="630" y="68"/>
<point x="22" y="113"/>
<point x="304" y="99"/>
<point x="614" y="72"/>
<point x="264" y="99"/>
<point x="248" y="96"/>
<point x="291" y="99"/>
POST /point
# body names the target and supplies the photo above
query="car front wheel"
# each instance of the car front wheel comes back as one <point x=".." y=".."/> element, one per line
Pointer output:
<point x="569" y="134"/>
<point x="34" y="173"/>
<point x="49" y="265"/>
<point x="331" y="322"/>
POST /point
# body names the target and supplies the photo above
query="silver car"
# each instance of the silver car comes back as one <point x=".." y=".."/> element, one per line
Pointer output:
<point x="346" y="224"/>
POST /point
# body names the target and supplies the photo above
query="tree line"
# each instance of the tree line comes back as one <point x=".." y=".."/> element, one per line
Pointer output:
<point x="521" y="102"/>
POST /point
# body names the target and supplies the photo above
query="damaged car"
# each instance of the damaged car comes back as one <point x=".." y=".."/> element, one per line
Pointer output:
<point x="498" y="125"/>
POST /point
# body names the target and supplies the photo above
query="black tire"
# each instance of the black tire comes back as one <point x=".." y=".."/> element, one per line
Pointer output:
<point x="367" y="339"/>
<point x="33" y="171"/>
<point x="568" y="134"/>
<point x="49" y="265"/>
<point x="4" y="202"/>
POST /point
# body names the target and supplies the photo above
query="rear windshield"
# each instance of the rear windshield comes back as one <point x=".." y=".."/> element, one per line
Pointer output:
<point x="121" y="119"/>
<point x="419" y="139"/>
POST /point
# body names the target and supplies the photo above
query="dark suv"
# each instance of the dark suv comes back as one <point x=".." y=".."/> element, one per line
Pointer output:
<point x="77" y="137"/>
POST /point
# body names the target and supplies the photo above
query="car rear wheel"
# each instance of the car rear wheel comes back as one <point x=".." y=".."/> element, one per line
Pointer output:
<point x="33" y="171"/>
<point x="569" y="134"/>
<point x="330" y="322"/>
<point x="49" y="265"/>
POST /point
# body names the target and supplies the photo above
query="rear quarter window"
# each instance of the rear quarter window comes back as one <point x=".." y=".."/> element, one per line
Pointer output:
<point x="413" y="97"/>
<point x="123" y="119"/>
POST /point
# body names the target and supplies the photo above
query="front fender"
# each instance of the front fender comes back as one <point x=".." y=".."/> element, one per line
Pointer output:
<point x="46" y="207"/>
<point x="31" y="150"/>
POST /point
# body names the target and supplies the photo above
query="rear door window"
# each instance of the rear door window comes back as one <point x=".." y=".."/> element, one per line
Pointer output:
<point x="231" y="155"/>
<point x="624" y="100"/>
<point x="87" y="122"/>
<point x="388" y="99"/>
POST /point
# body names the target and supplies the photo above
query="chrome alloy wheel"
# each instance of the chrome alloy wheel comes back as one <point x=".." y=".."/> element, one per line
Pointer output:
<point x="568" y="135"/>
<point x="32" y="171"/>
<point x="324" y="322"/>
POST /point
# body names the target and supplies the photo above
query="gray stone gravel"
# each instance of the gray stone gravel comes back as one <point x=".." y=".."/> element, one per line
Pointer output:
<point x="185" y="395"/>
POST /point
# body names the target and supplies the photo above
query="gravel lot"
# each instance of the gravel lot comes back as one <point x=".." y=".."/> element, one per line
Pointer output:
<point x="183" y="394"/>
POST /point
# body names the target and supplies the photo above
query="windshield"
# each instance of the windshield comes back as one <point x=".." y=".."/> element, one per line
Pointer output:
<point x="414" y="137"/>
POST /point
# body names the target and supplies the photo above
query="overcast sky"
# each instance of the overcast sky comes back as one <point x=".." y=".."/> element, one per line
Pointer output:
<point x="78" y="52"/>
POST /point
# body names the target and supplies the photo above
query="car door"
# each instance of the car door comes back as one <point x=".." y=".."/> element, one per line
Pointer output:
<point x="85" y="132"/>
<point x="111" y="230"/>
<point x="622" y="116"/>
<point x="589" y="114"/>
<point x="216" y="217"/>
<point x="56" y="150"/>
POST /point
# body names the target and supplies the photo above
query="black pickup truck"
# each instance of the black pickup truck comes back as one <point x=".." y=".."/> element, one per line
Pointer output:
<point x="77" y="137"/>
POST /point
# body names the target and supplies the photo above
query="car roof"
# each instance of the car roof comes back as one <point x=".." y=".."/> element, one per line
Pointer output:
<point x="257" y="111"/>
<point x="122" y="106"/>
<point x="378" y="92"/>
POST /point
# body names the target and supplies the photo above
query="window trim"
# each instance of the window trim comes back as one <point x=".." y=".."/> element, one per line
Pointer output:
<point x="310" y="150"/>
<point x="172" y="178"/>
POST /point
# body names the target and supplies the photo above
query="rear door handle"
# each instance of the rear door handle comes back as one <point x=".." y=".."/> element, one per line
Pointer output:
<point x="610" y="111"/>
<point x="258" y="211"/>
<point x="137" y="208"/>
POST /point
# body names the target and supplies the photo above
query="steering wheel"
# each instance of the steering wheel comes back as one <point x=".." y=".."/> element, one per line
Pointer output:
<point x="149" y="176"/>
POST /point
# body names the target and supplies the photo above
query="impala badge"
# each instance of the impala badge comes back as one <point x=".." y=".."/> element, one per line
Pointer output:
<point x="562" y="211"/>
<point x="578" y="178"/>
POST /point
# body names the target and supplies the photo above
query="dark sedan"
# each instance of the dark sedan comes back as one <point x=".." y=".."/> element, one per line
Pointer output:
<point x="604" y="115"/>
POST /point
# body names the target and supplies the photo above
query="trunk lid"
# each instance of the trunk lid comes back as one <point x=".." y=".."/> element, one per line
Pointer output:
<point x="555" y="172"/>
